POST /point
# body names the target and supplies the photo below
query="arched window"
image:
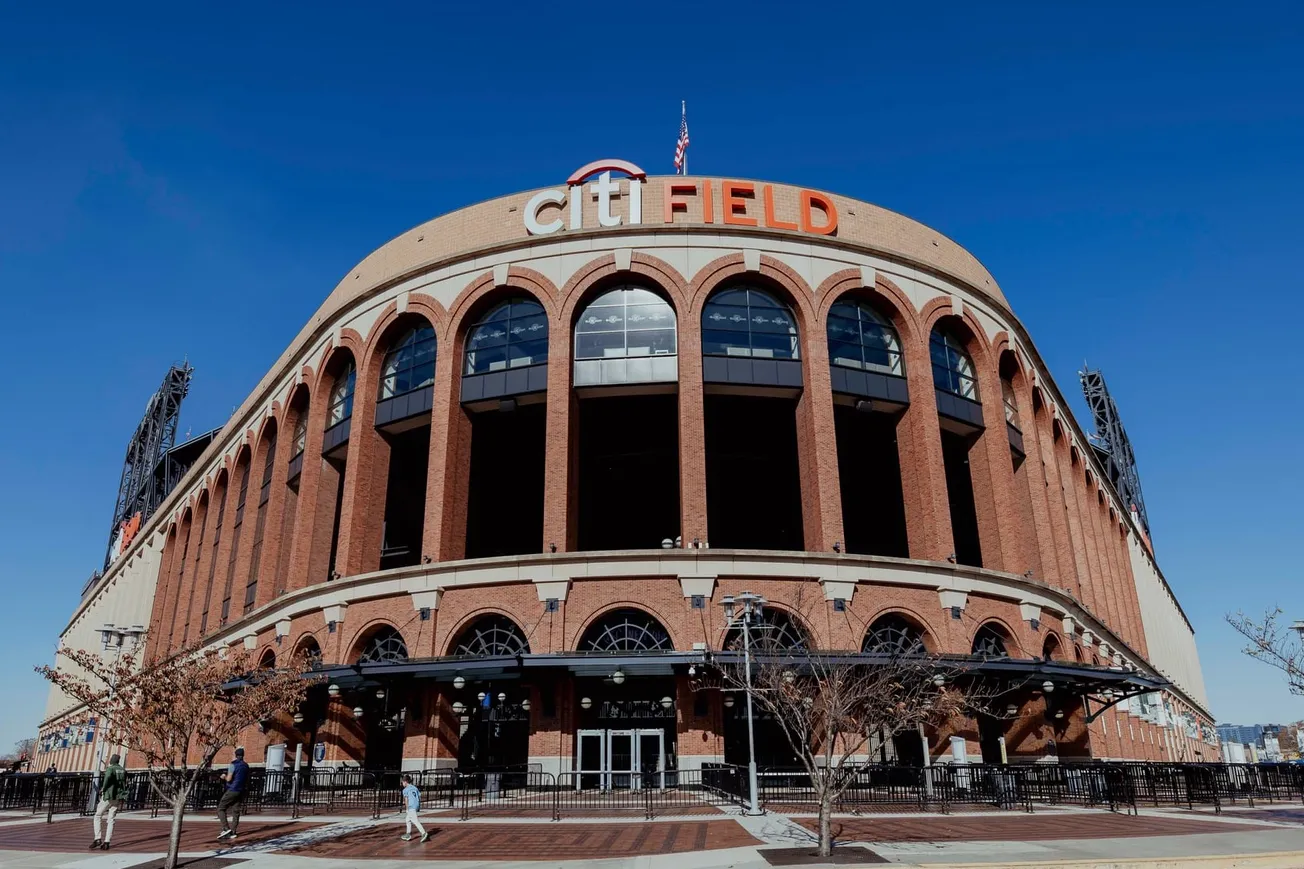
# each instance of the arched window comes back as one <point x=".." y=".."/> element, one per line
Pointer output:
<point x="895" y="636"/>
<point x="774" y="631"/>
<point x="1011" y="403"/>
<point x="626" y="630"/>
<point x="989" y="643"/>
<point x="952" y="367"/>
<point x="626" y="322"/>
<point x="268" y="660"/>
<point x="1050" y="650"/>
<point x="385" y="646"/>
<point x="861" y="337"/>
<point x="491" y="636"/>
<point x="409" y="364"/>
<point x="512" y="335"/>
<point x="311" y="652"/>
<point x="341" y="401"/>
<point x="748" y="322"/>
<point x="300" y="433"/>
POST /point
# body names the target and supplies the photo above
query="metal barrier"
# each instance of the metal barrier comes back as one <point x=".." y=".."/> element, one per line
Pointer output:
<point x="526" y="792"/>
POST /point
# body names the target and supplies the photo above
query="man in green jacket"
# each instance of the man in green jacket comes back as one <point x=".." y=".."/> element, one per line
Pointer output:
<point x="113" y="787"/>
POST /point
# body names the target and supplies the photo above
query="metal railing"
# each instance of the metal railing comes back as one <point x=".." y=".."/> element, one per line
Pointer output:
<point x="526" y="792"/>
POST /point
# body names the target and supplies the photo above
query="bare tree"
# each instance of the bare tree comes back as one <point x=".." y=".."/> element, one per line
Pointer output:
<point x="832" y="705"/>
<point x="1271" y="642"/>
<point x="177" y="714"/>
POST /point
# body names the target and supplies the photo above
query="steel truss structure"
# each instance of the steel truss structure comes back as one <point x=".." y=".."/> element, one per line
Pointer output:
<point x="149" y="471"/>
<point x="1111" y="441"/>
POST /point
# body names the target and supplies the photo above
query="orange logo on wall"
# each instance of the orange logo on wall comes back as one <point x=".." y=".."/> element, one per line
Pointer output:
<point x="742" y="203"/>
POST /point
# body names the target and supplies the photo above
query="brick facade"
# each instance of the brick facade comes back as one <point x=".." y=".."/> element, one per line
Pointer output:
<point x="1048" y="529"/>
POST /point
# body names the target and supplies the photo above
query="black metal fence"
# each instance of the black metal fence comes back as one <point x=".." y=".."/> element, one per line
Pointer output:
<point x="527" y="792"/>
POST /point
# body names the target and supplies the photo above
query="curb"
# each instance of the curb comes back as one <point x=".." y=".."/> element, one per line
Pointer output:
<point x="1266" y="860"/>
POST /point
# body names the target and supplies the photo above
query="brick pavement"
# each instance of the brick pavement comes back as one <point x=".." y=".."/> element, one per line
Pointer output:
<point x="1021" y="827"/>
<point x="133" y="835"/>
<point x="471" y="841"/>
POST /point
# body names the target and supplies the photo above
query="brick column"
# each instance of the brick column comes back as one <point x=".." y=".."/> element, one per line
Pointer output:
<point x="923" y="474"/>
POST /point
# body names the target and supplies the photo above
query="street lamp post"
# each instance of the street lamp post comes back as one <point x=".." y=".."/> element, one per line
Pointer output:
<point x="752" y="606"/>
<point x="117" y="637"/>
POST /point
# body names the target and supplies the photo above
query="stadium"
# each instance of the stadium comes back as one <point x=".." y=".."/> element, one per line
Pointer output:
<point x="504" y="481"/>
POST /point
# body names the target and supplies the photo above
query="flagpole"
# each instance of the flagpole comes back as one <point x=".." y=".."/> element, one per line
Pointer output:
<point x="683" y="115"/>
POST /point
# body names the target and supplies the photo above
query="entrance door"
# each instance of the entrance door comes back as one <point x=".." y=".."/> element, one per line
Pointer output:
<point x="651" y="757"/>
<point x="622" y="759"/>
<point x="591" y="760"/>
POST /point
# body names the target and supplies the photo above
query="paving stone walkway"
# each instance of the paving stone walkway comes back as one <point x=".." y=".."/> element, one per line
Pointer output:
<point x="571" y="841"/>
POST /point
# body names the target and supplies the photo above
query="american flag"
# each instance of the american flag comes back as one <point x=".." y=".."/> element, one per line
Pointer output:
<point x="681" y="162"/>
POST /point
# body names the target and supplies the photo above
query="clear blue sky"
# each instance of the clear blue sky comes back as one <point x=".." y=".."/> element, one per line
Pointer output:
<point x="192" y="181"/>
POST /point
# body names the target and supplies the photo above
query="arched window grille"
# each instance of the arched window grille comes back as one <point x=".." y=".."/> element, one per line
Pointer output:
<point x="626" y="323"/>
<point x="300" y="433"/>
<point x="861" y="337"/>
<point x="775" y="631"/>
<point x="626" y="630"/>
<point x="1011" y="403"/>
<point x="410" y="363"/>
<point x="492" y="636"/>
<point x="893" y="635"/>
<point x="341" y="401"/>
<point x="385" y="646"/>
<point x="512" y="335"/>
<point x="748" y="322"/>
<point x="988" y="643"/>
<point x="311" y="652"/>
<point x="952" y="367"/>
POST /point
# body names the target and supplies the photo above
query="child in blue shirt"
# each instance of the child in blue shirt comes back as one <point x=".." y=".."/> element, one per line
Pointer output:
<point x="412" y="802"/>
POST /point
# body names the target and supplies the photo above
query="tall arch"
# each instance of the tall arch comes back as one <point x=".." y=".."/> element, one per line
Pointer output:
<point x="394" y="458"/>
<point x="752" y="373"/>
<point x="208" y="601"/>
<point x="297" y="421"/>
<point x="623" y="420"/>
<point x="241" y="475"/>
<point x="340" y="375"/>
<point x="960" y="413"/>
<point x="267" y="460"/>
<point x="870" y="394"/>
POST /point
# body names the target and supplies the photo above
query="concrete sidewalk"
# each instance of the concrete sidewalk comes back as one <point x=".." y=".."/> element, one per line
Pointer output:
<point x="1243" y="840"/>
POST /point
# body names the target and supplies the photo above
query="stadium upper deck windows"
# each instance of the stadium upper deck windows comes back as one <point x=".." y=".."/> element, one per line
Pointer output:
<point x="860" y="337"/>
<point x="749" y="338"/>
<point x="506" y="354"/>
<point x="512" y="335"/>
<point x="339" y="409"/>
<point x="407" y="378"/>
<point x="865" y="356"/>
<point x="410" y="363"/>
<point x="626" y="335"/>
<point x="952" y="367"/>
<point x="341" y="402"/>
<point x="748" y="322"/>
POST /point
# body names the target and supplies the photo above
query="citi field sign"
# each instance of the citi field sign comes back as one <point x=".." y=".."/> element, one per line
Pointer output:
<point x="727" y="203"/>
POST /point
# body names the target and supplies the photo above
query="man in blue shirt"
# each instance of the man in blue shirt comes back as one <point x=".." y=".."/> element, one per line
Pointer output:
<point x="237" y="781"/>
<point x="412" y="801"/>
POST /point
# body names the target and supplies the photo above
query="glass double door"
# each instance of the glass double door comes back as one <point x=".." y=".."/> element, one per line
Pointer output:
<point x="620" y="759"/>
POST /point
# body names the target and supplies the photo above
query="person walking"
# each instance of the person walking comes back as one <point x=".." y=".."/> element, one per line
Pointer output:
<point x="412" y="800"/>
<point x="237" y="780"/>
<point x="113" y="787"/>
